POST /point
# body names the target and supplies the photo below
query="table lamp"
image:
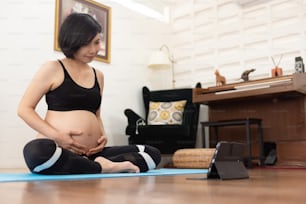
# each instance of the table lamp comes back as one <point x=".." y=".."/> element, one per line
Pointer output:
<point x="162" y="59"/>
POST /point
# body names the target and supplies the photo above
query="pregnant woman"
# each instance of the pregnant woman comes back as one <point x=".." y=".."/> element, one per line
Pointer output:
<point x="71" y="137"/>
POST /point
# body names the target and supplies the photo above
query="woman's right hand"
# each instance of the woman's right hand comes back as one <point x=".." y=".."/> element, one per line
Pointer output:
<point x="66" y="141"/>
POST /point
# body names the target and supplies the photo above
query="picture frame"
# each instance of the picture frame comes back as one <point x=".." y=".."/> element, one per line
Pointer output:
<point x="100" y="12"/>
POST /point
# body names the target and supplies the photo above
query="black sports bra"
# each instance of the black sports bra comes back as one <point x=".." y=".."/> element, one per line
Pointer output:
<point x="71" y="96"/>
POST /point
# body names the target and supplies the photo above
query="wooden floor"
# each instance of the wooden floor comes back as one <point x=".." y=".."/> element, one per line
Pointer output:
<point x="264" y="186"/>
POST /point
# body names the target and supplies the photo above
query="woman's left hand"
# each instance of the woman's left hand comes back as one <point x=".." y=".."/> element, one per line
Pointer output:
<point x="101" y="144"/>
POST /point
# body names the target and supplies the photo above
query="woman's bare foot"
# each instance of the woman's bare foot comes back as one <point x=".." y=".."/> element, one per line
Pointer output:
<point x="115" y="167"/>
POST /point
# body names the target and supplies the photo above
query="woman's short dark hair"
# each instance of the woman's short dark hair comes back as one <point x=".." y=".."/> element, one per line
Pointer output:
<point x="77" y="30"/>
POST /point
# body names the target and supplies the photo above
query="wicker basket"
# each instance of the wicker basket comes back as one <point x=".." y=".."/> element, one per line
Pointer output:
<point x="198" y="158"/>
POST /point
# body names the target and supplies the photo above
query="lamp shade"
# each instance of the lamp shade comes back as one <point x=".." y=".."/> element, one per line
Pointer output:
<point x="159" y="60"/>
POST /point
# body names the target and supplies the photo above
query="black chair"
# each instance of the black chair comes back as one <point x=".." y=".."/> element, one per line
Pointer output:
<point x="166" y="137"/>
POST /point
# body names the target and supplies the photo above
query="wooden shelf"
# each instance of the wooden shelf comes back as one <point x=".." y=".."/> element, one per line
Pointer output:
<point x="292" y="84"/>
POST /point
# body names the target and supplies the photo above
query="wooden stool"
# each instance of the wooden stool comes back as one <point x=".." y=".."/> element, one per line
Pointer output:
<point x="197" y="158"/>
<point x="236" y="122"/>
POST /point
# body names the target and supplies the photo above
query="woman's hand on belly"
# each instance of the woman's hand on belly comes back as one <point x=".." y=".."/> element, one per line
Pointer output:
<point x="85" y="122"/>
<point x="101" y="144"/>
<point x="66" y="141"/>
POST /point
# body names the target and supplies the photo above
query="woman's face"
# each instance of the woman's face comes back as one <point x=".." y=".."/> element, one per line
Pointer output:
<point x="88" y="52"/>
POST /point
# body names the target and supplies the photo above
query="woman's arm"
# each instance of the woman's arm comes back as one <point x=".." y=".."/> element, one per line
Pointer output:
<point x="39" y="85"/>
<point x="44" y="80"/>
<point x="100" y="77"/>
<point x="103" y="139"/>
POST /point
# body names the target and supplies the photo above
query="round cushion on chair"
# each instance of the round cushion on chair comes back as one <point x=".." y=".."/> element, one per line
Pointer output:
<point x="197" y="158"/>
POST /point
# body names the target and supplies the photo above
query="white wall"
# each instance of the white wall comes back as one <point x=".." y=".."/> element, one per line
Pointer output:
<point x="26" y="41"/>
<point x="220" y="34"/>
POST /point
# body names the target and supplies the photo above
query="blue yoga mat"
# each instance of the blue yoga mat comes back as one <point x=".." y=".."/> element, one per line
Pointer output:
<point x="27" y="177"/>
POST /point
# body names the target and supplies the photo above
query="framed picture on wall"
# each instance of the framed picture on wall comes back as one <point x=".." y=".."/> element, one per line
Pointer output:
<point x="99" y="11"/>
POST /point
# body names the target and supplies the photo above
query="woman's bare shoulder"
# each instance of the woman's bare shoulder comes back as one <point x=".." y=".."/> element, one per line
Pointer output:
<point x="99" y="73"/>
<point x="48" y="71"/>
<point x="51" y="65"/>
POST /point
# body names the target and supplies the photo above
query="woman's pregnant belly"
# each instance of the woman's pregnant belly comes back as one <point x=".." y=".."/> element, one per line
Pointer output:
<point x="77" y="120"/>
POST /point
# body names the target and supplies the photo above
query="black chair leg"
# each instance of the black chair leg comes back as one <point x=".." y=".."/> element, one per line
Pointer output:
<point x="261" y="148"/>
<point x="248" y="138"/>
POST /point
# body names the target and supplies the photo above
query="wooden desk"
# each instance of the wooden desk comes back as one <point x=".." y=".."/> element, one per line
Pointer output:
<point x="279" y="102"/>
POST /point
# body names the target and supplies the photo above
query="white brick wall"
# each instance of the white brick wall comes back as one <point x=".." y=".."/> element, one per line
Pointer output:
<point x="209" y="35"/>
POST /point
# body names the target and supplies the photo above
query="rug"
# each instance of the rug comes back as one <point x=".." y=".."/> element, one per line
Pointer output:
<point x="28" y="177"/>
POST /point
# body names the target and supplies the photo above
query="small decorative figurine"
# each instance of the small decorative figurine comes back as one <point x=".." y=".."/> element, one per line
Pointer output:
<point x="299" y="65"/>
<point x="277" y="71"/>
<point x="245" y="74"/>
<point x="220" y="80"/>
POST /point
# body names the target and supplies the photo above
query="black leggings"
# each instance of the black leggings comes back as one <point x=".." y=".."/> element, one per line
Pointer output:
<point x="43" y="156"/>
